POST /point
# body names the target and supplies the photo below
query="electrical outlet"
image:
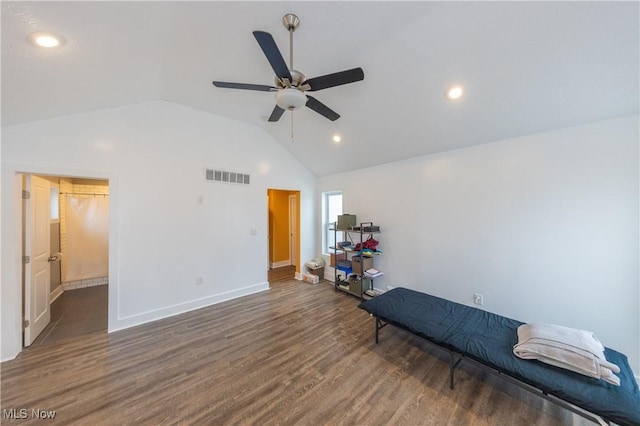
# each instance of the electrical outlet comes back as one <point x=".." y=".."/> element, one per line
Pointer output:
<point x="199" y="280"/>
<point x="477" y="299"/>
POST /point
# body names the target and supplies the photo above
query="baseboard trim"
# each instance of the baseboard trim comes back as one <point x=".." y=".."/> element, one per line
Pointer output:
<point x="298" y="276"/>
<point x="57" y="292"/>
<point x="85" y="282"/>
<point x="181" y="308"/>
<point x="281" y="264"/>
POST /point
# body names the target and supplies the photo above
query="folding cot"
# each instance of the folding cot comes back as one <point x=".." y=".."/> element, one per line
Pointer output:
<point x="487" y="340"/>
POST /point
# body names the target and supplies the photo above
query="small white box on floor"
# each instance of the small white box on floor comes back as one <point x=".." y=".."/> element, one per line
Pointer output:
<point x="311" y="278"/>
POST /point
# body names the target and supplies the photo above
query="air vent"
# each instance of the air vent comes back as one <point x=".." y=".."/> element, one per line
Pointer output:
<point x="225" y="176"/>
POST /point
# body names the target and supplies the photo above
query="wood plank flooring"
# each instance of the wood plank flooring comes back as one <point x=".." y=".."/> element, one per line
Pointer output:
<point x="77" y="312"/>
<point x="282" y="273"/>
<point x="296" y="354"/>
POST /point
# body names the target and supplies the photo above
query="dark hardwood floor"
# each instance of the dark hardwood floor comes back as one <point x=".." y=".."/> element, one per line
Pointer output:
<point x="282" y="273"/>
<point x="296" y="354"/>
<point x="77" y="312"/>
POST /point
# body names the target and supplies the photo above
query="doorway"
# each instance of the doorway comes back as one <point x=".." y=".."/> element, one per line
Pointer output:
<point x="65" y="274"/>
<point x="283" y="235"/>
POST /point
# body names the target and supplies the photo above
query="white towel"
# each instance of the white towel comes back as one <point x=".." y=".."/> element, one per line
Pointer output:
<point x="572" y="349"/>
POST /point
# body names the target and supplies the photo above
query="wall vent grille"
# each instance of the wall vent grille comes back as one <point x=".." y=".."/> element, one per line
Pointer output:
<point x="225" y="176"/>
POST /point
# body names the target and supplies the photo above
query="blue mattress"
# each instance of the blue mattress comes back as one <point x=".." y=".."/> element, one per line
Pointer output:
<point x="489" y="339"/>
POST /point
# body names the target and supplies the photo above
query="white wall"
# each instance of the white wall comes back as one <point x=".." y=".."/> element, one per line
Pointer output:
<point x="160" y="237"/>
<point x="544" y="226"/>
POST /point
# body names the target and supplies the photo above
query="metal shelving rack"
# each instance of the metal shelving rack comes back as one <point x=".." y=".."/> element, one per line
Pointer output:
<point x="360" y="282"/>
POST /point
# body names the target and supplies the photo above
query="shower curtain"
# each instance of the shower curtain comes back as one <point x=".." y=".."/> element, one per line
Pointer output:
<point x="87" y="238"/>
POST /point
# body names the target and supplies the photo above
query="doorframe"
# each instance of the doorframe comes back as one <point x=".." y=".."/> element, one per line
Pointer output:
<point x="268" y="228"/>
<point x="293" y="227"/>
<point x="297" y="193"/>
<point x="12" y="246"/>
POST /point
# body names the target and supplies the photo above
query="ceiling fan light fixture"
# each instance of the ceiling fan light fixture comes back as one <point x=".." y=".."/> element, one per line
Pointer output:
<point x="290" y="99"/>
<point x="291" y="85"/>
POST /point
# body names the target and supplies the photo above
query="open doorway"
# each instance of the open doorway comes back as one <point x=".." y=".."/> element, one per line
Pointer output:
<point x="66" y="246"/>
<point x="283" y="235"/>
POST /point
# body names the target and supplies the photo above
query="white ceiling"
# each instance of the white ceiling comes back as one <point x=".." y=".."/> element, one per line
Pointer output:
<point x="527" y="67"/>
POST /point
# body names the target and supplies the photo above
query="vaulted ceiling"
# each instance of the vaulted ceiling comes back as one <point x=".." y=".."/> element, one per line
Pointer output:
<point x="526" y="67"/>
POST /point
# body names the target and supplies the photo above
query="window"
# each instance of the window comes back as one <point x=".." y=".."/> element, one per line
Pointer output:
<point x="331" y="208"/>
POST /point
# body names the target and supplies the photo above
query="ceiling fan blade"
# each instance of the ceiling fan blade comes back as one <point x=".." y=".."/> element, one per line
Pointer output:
<point x="321" y="108"/>
<point x="259" y="87"/>
<point x="276" y="114"/>
<point x="335" y="79"/>
<point x="270" y="49"/>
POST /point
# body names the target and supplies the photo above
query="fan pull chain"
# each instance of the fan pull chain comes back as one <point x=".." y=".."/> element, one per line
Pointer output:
<point x="291" y="126"/>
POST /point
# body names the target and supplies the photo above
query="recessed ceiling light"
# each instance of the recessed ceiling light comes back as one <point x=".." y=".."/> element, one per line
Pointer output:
<point x="45" y="39"/>
<point x="336" y="138"/>
<point x="453" y="93"/>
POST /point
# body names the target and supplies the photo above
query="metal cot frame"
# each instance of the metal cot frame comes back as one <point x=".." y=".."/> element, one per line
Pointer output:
<point x="455" y="358"/>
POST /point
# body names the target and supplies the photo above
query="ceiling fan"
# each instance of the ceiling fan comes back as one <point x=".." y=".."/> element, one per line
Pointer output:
<point x="291" y="85"/>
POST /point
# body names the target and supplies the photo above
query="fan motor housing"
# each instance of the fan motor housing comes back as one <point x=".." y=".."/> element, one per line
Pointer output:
<point x="297" y="76"/>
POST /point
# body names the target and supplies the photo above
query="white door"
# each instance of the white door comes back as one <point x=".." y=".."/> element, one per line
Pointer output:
<point x="293" y="229"/>
<point x="36" y="272"/>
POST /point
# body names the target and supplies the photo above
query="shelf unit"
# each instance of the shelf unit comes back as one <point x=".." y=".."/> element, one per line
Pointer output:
<point x="355" y="283"/>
